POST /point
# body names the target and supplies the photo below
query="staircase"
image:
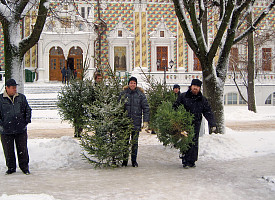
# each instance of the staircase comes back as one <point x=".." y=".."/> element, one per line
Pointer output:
<point x="42" y="96"/>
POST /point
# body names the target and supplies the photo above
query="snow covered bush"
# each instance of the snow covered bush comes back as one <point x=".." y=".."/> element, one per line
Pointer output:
<point x="174" y="127"/>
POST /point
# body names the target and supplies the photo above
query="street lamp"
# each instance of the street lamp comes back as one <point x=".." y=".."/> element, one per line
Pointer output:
<point x="171" y="63"/>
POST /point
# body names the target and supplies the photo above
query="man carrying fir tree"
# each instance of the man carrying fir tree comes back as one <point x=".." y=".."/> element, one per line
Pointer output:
<point x="136" y="106"/>
<point x="195" y="103"/>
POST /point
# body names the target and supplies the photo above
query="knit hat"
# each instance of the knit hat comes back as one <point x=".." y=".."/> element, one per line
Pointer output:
<point x="132" y="79"/>
<point x="176" y="86"/>
<point x="11" y="82"/>
<point x="196" y="82"/>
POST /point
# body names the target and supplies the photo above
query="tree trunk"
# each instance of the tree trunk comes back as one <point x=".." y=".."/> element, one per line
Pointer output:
<point x="13" y="59"/>
<point x="15" y="46"/>
<point x="251" y="70"/>
<point x="213" y="90"/>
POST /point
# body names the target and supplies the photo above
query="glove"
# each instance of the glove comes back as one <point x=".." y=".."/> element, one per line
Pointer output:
<point x="213" y="129"/>
<point x="146" y="127"/>
<point x="184" y="133"/>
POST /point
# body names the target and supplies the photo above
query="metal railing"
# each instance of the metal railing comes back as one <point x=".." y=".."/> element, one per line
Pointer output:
<point x="185" y="78"/>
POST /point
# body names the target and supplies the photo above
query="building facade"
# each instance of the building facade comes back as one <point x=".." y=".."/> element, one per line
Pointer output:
<point x="136" y="37"/>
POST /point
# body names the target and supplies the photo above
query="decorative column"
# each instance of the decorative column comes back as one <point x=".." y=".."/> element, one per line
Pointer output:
<point x="140" y="34"/>
<point x="144" y="39"/>
<point x="137" y="39"/>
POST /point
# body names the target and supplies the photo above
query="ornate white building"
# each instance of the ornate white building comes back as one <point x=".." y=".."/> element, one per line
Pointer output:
<point x="130" y="35"/>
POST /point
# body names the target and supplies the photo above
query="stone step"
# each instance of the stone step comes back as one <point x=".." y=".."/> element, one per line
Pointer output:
<point x="43" y="104"/>
<point x="42" y="90"/>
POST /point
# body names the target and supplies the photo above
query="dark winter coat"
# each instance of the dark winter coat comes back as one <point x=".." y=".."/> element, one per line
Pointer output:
<point x="15" y="114"/>
<point x="198" y="106"/>
<point x="136" y="105"/>
<point x="64" y="71"/>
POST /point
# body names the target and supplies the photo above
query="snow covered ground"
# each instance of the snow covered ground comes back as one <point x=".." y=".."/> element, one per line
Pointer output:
<point x="236" y="165"/>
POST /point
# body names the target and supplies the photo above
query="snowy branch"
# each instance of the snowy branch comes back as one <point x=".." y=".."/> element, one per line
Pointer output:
<point x="5" y="10"/>
<point x="249" y="9"/>
<point x="28" y="42"/>
<point x="202" y="9"/>
<point x="197" y="28"/>
<point x="185" y="24"/>
<point x="222" y="28"/>
<point x="19" y="8"/>
<point x="255" y="23"/>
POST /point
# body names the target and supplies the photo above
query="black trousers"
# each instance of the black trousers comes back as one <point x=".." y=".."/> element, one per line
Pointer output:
<point x="134" y="146"/>
<point x="20" y="140"/>
<point x="191" y="155"/>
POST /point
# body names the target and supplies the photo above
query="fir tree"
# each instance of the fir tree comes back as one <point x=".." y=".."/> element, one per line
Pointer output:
<point x="71" y="101"/>
<point x="73" y="98"/>
<point x="156" y="94"/>
<point x="174" y="127"/>
<point x="108" y="128"/>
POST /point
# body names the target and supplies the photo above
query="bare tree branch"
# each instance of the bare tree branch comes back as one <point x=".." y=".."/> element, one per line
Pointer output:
<point x="255" y="23"/>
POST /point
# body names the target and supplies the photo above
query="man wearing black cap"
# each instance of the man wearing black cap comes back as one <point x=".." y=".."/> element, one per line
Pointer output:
<point x="195" y="103"/>
<point x="136" y="106"/>
<point x="15" y="114"/>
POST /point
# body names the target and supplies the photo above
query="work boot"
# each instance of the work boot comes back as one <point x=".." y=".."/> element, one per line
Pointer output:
<point x="185" y="165"/>
<point x="134" y="164"/>
<point x="10" y="171"/>
<point x="124" y="163"/>
<point x="26" y="171"/>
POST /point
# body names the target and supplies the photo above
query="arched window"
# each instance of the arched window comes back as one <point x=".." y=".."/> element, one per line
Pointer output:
<point x="270" y="99"/>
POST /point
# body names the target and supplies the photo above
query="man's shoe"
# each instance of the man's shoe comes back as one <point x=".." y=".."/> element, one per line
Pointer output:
<point x="124" y="163"/>
<point x="185" y="166"/>
<point x="27" y="172"/>
<point x="134" y="164"/>
<point x="192" y="165"/>
<point x="10" y="171"/>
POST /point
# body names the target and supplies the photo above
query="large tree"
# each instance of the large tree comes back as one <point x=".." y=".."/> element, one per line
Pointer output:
<point x="245" y="64"/>
<point x="230" y="13"/>
<point x="12" y="13"/>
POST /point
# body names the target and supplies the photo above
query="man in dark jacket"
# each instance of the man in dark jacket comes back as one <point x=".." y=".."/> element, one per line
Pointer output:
<point x="64" y="75"/>
<point x="15" y="114"/>
<point x="195" y="103"/>
<point x="136" y="106"/>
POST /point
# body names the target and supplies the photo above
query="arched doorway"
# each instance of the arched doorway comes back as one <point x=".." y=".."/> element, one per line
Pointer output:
<point x="57" y="62"/>
<point x="75" y="60"/>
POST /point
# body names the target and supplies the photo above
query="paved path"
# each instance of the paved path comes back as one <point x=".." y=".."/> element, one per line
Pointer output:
<point x="155" y="178"/>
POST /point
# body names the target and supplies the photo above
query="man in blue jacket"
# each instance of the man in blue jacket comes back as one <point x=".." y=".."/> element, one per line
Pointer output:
<point x="15" y="114"/>
<point x="137" y="108"/>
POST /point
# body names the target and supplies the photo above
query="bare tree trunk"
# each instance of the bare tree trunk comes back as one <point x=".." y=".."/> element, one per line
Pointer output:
<point x="213" y="90"/>
<point x="13" y="59"/>
<point x="14" y="46"/>
<point x="251" y="70"/>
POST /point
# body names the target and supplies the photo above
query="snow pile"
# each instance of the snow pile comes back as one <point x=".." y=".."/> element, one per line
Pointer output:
<point x="236" y="145"/>
<point x="54" y="153"/>
<point x="27" y="197"/>
<point x="64" y="152"/>
<point x="241" y="113"/>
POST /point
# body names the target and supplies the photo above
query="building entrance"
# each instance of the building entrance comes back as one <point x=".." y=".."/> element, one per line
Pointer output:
<point x="57" y="62"/>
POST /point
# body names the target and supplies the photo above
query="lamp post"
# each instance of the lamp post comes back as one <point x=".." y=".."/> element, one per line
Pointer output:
<point x="171" y="63"/>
